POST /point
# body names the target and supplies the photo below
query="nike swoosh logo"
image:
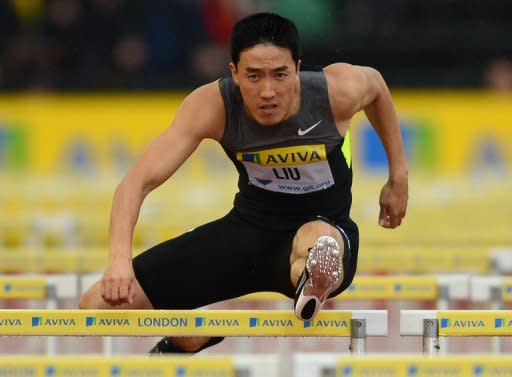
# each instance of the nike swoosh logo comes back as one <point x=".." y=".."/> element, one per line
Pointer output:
<point x="302" y="132"/>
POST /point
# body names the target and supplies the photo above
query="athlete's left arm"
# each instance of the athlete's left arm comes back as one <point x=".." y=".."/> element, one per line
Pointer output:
<point x="363" y="88"/>
<point x="380" y="111"/>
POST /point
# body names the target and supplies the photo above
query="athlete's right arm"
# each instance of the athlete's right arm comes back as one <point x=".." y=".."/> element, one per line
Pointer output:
<point x="201" y="115"/>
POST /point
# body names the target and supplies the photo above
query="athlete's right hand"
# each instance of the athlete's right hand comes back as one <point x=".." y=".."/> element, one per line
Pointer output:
<point x="118" y="282"/>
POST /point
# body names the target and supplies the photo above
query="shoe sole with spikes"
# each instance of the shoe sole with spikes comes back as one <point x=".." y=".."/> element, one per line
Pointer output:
<point x="323" y="274"/>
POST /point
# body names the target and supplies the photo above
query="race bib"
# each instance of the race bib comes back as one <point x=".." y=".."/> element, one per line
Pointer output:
<point x="291" y="170"/>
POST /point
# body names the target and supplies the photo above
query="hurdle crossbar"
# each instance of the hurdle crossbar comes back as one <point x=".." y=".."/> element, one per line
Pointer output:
<point x="414" y="365"/>
<point x="373" y="288"/>
<point x="331" y="323"/>
<point x="308" y="364"/>
<point x="458" y="322"/>
<point x="22" y="288"/>
<point x="493" y="289"/>
<point x="40" y="366"/>
<point x="428" y="287"/>
<point x="40" y="287"/>
<point x="432" y="324"/>
<point x="48" y="288"/>
<point x="421" y="259"/>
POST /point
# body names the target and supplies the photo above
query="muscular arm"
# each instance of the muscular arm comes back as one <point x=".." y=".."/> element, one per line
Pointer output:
<point x="355" y="88"/>
<point x="200" y="116"/>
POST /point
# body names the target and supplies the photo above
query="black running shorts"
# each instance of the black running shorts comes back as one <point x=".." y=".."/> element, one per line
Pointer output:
<point x="228" y="258"/>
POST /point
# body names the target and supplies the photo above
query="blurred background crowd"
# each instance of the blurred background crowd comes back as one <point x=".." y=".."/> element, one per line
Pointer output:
<point x="169" y="44"/>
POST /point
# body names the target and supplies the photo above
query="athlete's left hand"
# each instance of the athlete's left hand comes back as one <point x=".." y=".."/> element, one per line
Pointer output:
<point x="393" y="203"/>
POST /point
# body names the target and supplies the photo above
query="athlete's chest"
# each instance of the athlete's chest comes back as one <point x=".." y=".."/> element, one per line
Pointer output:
<point x="302" y="130"/>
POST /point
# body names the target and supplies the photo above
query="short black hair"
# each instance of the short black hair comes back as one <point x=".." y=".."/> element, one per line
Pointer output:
<point x="264" y="28"/>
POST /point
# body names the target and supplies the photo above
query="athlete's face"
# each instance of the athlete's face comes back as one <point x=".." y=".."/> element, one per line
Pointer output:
<point x="269" y="83"/>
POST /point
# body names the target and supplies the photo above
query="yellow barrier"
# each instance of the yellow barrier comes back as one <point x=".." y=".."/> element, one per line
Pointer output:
<point x="94" y="366"/>
<point x="475" y="322"/>
<point x="53" y="261"/>
<point x="474" y="119"/>
<point x="172" y="322"/>
<point x="392" y="288"/>
<point x="419" y="366"/>
<point x="412" y="259"/>
<point x="27" y="288"/>
<point x="375" y="288"/>
<point x="421" y="259"/>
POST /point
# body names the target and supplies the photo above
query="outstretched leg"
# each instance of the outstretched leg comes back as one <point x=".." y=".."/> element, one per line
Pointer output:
<point x="316" y="266"/>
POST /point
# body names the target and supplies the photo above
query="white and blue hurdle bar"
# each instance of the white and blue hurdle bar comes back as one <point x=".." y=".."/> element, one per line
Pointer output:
<point x="433" y="324"/>
<point x="444" y="288"/>
<point x="493" y="289"/>
<point x="304" y="364"/>
<point x="356" y="324"/>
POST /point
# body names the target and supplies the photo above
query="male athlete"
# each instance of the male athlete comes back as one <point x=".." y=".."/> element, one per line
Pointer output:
<point x="289" y="231"/>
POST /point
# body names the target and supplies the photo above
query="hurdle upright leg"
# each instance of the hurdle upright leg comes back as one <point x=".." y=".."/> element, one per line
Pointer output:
<point x="358" y="336"/>
<point x="431" y="336"/>
<point x="496" y="304"/>
<point x="51" y="303"/>
<point x="442" y="304"/>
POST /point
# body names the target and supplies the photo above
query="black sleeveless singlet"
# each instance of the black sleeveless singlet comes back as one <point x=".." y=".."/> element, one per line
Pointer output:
<point x="299" y="167"/>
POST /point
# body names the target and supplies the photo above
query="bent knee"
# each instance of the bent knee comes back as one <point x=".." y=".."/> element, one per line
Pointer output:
<point x="316" y="229"/>
<point x="309" y="233"/>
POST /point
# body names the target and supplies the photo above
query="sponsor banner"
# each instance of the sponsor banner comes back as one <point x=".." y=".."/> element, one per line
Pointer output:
<point x="391" y="288"/>
<point x="30" y="288"/>
<point x="172" y="322"/>
<point x="419" y="366"/>
<point x="507" y="290"/>
<point x="449" y="133"/>
<point x="475" y="323"/>
<point x="115" y="367"/>
<point x="421" y="259"/>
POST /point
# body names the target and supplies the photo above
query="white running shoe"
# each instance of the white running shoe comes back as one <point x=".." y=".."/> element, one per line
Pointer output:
<point x="323" y="274"/>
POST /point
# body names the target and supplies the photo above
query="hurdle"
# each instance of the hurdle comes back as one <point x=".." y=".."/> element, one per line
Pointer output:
<point x="495" y="291"/>
<point x="431" y="324"/>
<point x="367" y="287"/>
<point x="384" y="259"/>
<point x="443" y="288"/>
<point x="47" y="288"/>
<point x="357" y="325"/>
<point x="318" y="365"/>
<point x="421" y="259"/>
<point x="40" y="366"/>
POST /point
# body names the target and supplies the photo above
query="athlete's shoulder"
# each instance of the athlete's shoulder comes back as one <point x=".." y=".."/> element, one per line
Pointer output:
<point x="205" y="108"/>
<point x="347" y="86"/>
<point x="351" y="76"/>
<point x="209" y="93"/>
